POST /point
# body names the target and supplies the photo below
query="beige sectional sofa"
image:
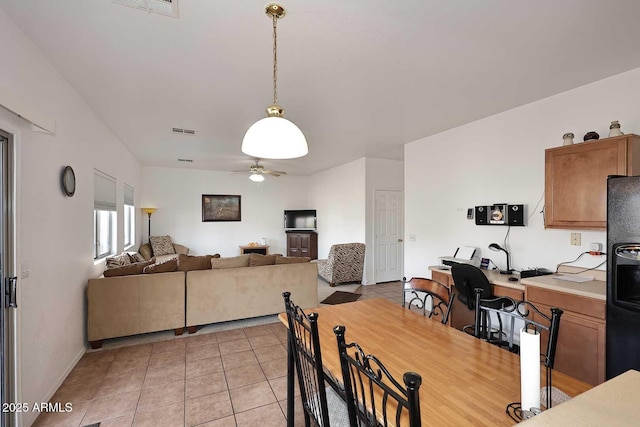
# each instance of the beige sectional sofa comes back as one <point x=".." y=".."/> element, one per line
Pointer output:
<point x="219" y="295"/>
<point x="142" y="303"/>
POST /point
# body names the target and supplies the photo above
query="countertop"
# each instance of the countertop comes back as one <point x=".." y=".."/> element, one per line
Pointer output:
<point x="612" y="403"/>
<point x="595" y="289"/>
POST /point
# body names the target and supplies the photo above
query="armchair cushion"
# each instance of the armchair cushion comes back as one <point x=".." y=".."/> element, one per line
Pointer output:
<point x="344" y="264"/>
<point x="161" y="245"/>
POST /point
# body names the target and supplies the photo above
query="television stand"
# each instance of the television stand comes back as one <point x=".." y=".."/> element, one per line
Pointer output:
<point x="302" y="243"/>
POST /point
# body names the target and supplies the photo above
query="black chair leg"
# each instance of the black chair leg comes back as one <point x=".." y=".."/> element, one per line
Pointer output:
<point x="291" y="408"/>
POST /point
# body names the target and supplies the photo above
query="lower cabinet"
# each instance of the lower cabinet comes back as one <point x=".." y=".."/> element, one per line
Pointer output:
<point x="302" y="244"/>
<point x="580" y="351"/>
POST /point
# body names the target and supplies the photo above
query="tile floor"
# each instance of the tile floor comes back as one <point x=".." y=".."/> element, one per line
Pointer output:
<point x="234" y="376"/>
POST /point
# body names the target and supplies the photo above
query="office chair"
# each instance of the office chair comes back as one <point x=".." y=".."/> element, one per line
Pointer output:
<point x="533" y="320"/>
<point x="322" y="405"/>
<point x="434" y="293"/>
<point x="467" y="278"/>
<point x="374" y="397"/>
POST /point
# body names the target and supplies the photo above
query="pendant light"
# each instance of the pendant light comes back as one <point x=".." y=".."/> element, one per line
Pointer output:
<point x="275" y="137"/>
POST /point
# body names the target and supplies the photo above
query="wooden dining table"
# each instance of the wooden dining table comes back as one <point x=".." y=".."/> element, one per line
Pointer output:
<point x="465" y="380"/>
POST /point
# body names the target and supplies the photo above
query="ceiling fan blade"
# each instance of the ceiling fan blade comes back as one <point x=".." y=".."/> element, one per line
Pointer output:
<point x="242" y="171"/>
<point x="274" y="173"/>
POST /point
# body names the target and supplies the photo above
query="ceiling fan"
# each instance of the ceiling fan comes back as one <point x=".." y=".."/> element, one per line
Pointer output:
<point x="258" y="171"/>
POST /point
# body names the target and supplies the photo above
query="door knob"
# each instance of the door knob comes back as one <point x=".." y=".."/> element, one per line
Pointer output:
<point x="399" y="240"/>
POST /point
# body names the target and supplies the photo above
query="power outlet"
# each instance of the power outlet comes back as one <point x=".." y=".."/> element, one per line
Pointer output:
<point x="576" y="239"/>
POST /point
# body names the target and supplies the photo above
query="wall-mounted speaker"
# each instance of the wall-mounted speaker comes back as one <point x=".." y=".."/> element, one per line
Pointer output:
<point x="482" y="217"/>
<point x="515" y="215"/>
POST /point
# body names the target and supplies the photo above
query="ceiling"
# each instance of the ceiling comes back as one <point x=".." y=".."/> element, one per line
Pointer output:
<point x="359" y="77"/>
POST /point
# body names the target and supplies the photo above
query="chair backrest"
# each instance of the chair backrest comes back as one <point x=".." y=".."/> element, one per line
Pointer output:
<point x="466" y="278"/>
<point x="305" y="342"/>
<point x="346" y="260"/>
<point x="438" y="295"/>
<point x="547" y="325"/>
<point x="373" y="396"/>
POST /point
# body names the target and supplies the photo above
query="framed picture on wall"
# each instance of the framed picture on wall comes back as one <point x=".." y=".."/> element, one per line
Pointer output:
<point x="217" y="207"/>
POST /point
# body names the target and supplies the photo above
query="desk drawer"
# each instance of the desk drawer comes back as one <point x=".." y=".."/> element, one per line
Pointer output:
<point x="503" y="291"/>
<point x="575" y="303"/>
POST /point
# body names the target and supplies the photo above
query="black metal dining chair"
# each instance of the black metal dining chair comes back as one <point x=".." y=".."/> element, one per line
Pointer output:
<point x="533" y="319"/>
<point x="428" y="295"/>
<point x="321" y="404"/>
<point x="374" y="398"/>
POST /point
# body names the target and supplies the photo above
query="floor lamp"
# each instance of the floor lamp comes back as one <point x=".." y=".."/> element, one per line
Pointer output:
<point x="149" y="211"/>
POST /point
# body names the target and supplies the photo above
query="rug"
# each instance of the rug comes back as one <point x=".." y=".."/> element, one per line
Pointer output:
<point x="340" y="297"/>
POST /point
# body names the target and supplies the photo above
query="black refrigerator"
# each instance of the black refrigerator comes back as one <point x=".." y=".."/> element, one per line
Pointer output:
<point x="623" y="274"/>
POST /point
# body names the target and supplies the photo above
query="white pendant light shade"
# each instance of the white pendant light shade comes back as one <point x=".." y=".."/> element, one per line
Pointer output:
<point x="274" y="138"/>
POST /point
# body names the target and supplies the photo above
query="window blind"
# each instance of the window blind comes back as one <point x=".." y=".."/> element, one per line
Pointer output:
<point x="128" y="195"/>
<point x="104" y="191"/>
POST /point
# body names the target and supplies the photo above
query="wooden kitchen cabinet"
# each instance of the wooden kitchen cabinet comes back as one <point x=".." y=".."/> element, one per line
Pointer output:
<point x="302" y="244"/>
<point x="576" y="180"/>
<point x="580" y="352"/>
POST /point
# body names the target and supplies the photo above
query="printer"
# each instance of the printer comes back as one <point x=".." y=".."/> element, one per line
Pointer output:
<point x="462" y="255"/>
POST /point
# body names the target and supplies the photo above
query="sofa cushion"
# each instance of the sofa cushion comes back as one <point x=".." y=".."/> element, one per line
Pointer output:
<point x="190" y="263"/>
<point x="291" y="260"/>
<point x="118" y="261"/>
<point x="256" y="260"/>
<point x="230" y="262"/>
<point x="146" y="251"/>
<point x="137" y="257"/>
<point x="128" y="270"/>
<point x="161" y="245"/>
<point x="163" y="267"/>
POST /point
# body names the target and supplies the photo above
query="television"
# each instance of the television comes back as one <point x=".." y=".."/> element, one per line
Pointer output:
<point x="300" y="219"/>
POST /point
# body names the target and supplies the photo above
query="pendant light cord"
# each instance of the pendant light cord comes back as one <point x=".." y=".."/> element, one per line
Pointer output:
<point x="275" y="61"/>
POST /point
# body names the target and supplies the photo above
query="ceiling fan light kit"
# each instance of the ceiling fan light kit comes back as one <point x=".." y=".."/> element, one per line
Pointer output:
<point x="275" y="137"/>
<point x="256" y="177"/>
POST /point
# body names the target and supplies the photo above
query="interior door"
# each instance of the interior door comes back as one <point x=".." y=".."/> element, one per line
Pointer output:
<point x="7" y="284"/>
<point x="389" y="245"/>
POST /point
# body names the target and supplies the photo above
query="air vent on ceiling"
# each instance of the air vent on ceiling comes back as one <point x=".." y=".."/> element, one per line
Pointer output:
<point x="185" y="160"/>
<point x="183" y="131"/>
<point x="163" y="7"/>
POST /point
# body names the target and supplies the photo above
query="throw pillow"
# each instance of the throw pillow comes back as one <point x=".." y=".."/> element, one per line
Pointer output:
<point x="145" y="251"/>
<point x="128" y="270"/>
<point x="163" y="267"/>
<point x="161" y="245"/>
<point x="190" y="263"/>
<point x="231" y="262"/>
<point x="118" y="261"/>
<point x="256" y="260"/>
<point x="291" y="260"/>
<point x="137" y="257"/>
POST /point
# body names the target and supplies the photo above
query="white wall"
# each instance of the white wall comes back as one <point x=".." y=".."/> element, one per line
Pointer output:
<point x="177" y="193"/>
<point x="54" y="232"/>
<point x="501" y="159"/>
<point x="380" y="175"/>
<point x="338" y="194"/>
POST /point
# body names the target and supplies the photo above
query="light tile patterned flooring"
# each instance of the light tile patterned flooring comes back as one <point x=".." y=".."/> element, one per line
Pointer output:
<point x="232" y="377"/>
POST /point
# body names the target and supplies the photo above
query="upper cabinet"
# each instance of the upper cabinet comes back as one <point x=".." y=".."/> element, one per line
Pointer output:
<point x="576" y="180"/>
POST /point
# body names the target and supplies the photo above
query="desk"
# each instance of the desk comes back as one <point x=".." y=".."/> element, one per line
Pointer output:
<point x="465" y="381"/>
<point x="500" y="285"/>
<point x="581" y="341"/>
<point x="612" y="403"/>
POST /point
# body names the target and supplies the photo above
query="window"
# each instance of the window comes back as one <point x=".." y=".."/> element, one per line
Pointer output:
<point x="129" y="217"/>
<point x="104" y="215"/>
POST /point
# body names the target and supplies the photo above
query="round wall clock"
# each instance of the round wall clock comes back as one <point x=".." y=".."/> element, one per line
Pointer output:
<point x="68" y="181"/>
